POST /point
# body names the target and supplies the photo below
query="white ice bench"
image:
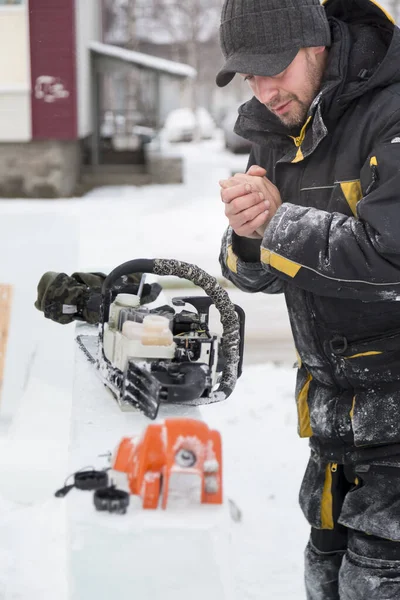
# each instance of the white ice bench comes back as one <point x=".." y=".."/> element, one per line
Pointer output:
<point x="172" y="554"/>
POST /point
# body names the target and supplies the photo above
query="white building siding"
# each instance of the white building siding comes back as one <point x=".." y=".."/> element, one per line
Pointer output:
<point x="88" y="28"/>
<point x="15" y="78"/>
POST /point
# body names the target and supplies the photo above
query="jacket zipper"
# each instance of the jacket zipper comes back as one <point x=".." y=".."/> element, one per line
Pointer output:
<point x="372" y="468"/>
<point x="375" y="179"/>
<point x="375" y="338"/>
<point x="335" y="507"/>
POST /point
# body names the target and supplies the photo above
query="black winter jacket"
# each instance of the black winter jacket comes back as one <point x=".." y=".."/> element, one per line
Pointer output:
<point x="333" y="247"/>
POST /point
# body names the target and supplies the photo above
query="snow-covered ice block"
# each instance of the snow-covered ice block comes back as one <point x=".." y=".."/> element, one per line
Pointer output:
<point x="168" y="555"/>
<point x="32" y="240"/>
<point x="172" y="554"/>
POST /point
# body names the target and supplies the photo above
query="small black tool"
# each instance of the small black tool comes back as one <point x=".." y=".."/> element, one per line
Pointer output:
<point x="84" y="480"/>
<point x="112" y="500"/>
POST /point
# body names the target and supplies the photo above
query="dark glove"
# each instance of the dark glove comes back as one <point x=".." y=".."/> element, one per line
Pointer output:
<point x="77" y="298"/>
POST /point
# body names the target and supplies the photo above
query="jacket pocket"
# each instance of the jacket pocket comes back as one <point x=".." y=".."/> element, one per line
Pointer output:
<point x="373" y="507"/>
<point x="375" y="415"/>
<point x="372" y="368"/>
<point x="372" y="361"/>
<point x="316" y="497"/>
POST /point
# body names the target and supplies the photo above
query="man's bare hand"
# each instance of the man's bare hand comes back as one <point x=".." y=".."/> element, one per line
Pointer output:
<point x="251" y="200"/>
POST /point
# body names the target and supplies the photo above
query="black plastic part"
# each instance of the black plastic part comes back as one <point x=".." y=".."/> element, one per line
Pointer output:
<point x="174" y="383"/>
<point x="183" y="382"/>
<point x="142" y="390"/>
<point x="85" y="480"/>
<point x="91" y="480"/>
<point x="201" y="304"/>
<point x="187" y="322"/>
<point x="62" y="492"/>
<point x="111" y="500"/>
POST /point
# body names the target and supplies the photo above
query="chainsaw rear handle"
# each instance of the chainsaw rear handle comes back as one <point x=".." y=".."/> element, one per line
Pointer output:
<point x="202" y="305"/>
<point x="232" y="325"/>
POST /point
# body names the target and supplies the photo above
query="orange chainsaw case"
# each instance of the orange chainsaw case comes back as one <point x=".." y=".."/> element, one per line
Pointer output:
<point x="167" y="449"/>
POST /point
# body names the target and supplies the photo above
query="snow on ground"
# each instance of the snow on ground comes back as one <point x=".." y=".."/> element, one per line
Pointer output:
<point x="264" y="462"/>
<point x="264" y="459"/>
<point x="184" y="221"/>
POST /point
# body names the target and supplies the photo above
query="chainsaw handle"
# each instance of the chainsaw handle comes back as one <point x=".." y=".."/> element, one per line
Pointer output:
<point x="232" y="327"/>
<point x="139" y="265"/>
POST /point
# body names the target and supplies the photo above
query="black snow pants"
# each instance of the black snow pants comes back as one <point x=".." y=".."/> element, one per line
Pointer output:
<point x="354" y="548"/>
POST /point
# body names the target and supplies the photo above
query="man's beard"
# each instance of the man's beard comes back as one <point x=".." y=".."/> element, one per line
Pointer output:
<point x="298" y="109"/>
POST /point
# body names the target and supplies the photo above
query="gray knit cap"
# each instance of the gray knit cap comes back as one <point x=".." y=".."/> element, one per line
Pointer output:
<point x="262" y="37"/>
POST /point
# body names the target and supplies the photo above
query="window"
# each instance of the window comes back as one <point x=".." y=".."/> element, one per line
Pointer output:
<point x="145" y="10"/>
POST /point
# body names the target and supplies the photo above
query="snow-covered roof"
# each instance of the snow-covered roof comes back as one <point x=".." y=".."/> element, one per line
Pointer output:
<point x="153" y="63"/>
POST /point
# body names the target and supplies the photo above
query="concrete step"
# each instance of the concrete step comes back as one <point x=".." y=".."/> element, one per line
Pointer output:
<point x="113" y="176"/>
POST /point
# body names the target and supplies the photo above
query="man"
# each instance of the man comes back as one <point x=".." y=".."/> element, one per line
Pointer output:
<point x="317" y="217"/>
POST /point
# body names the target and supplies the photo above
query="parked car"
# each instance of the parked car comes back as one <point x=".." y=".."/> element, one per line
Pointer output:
<point x="181" y="123"/>
<point x="234" y="142"/>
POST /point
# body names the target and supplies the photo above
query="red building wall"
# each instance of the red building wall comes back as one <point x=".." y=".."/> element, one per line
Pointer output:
<point x="53" y="69"/>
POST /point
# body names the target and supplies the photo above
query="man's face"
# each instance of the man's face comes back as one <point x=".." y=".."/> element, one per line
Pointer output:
<point x="289" y="95"/>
